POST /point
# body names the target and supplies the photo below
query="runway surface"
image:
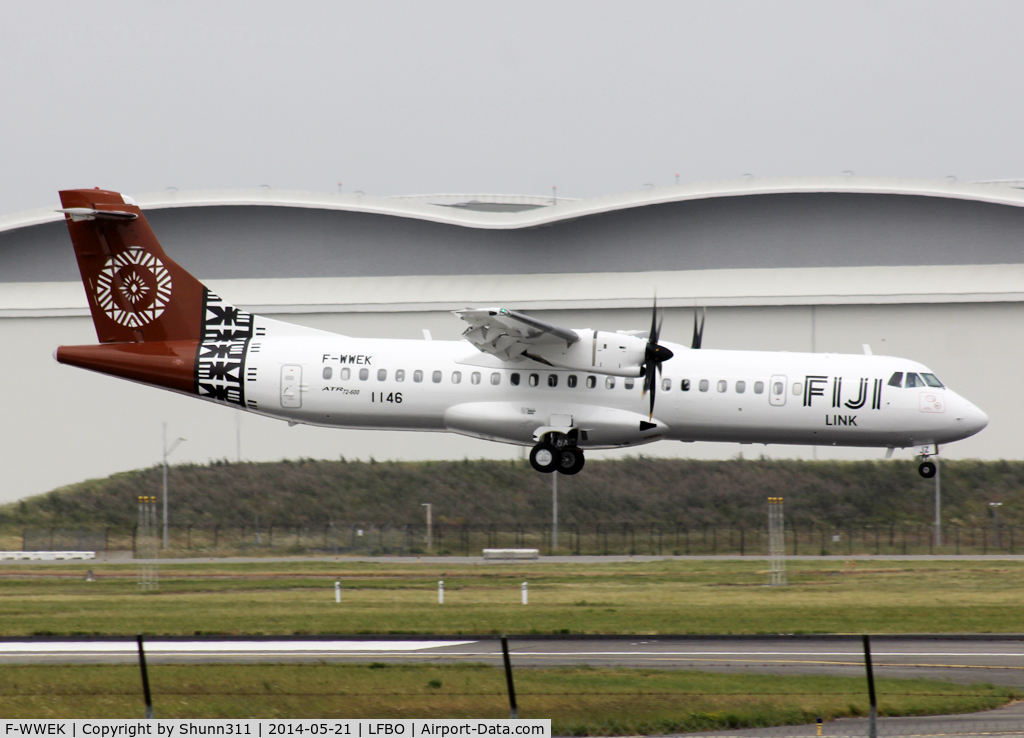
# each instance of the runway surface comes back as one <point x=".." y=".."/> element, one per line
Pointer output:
<point x="997" y="660"/>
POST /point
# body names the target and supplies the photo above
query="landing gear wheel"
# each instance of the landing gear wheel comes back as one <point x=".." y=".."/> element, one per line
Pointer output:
<point x="571" y="461"/>
<point x="927" y="469"/>
<point x="545" y="458"/>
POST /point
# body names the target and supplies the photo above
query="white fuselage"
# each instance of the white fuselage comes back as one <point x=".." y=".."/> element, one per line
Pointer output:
<point x="320" y="378"/>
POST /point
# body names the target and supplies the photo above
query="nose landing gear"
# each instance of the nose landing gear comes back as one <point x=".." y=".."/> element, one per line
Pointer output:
<point x="926" y="468"/>
<point x="557" y="453"/>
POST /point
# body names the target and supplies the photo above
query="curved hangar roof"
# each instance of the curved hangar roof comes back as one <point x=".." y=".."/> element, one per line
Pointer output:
<point x="755" y="241"/>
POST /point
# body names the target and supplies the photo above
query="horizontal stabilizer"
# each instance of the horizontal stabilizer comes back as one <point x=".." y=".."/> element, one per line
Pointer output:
<point x="80" y="214"/>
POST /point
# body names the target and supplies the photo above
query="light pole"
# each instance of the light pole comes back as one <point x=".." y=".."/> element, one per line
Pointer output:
<point x="554" y="513"/>
<point x="995" y="520"/>
<point x="430" y="537"/>
<point x="938" y="506"/>
<point x="167" y="452"/>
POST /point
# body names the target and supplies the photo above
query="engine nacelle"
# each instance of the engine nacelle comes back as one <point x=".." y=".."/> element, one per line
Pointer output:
<point x="602" y="352"/>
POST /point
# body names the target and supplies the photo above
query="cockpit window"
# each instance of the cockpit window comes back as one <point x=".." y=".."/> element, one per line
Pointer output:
<point x="896" y="380"/>
<point x="931" y="380"/>
<point x="914" y="381"/>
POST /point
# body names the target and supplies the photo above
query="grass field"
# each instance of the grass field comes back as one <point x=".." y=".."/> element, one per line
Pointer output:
<point x="683" y="596"/>
<point x="579" y="701"/>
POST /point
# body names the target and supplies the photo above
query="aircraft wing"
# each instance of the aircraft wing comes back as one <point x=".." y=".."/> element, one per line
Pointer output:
<point x="509" y="335"/>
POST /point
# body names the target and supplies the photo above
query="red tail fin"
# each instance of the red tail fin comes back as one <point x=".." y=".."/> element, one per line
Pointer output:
<point x="136" y="293"/>
<point x="162" y="326"/>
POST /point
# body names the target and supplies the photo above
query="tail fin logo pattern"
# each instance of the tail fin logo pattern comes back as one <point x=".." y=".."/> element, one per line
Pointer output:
<point x="133" y="288"/>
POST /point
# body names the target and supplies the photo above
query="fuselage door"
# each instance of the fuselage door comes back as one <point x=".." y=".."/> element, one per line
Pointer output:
<point x="777" y="390"/>
<point x="291" y="386"/>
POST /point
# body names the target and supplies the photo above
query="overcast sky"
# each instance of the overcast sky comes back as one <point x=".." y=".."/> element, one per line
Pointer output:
<point x="501" y="97"/>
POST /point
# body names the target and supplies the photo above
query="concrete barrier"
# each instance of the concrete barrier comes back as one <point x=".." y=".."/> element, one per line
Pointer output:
<point x="46" y="555"/>
<point x="511" y="554"/>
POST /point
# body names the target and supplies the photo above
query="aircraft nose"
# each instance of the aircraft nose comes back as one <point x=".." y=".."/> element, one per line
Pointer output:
<point x="973" y="419"/>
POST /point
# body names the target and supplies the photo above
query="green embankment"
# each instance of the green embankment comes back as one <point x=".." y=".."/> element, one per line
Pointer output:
<point x="634" y="490"/>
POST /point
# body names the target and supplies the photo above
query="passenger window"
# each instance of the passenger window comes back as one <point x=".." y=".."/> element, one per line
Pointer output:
<point x="666" y="384"/>
<point x="496" y="378"/>
<point x="722" y="385"/>
<point x="591" y="382"/>
<point x="741" y="387"/>
<point x="797" y="388"/>
<point x="552" y="380"/>
<point x="609" y="382"/>
<point x="417" y="376"/>
<point x="896" y="380"/>
<point x="382" y="374"/>
<point x="913" y="380"/>
<point x="399" y="375"/>
<point x="684" y="385"/>
<point x="346" y="373"/>
<point x="364" y="374"/>
<point x="931" y="380"/>
<point x="456" y="377"/>
<point x="778" y="388"/>
<point x="436" y="377"/>
<point x="475" y="378"/>
<point x="514" y="379"/>
<point x="628" y="384"/>
<point x="758" y="388"/>
<point x="534" y="380"/>
<point x="703" y="386"/>
<point x="571" y="380"/>
<point x="328" y="372"/>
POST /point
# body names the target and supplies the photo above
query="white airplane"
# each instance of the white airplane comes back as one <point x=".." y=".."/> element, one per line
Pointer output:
<point x="515" y="379"/>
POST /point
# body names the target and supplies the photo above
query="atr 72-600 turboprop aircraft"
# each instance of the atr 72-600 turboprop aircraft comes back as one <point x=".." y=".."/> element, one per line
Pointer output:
<point x="514" y="379"/>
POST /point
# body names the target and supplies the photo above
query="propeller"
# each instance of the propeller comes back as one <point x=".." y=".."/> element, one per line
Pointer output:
<point x="698" y="333"/>
<point x="654" y="355"/>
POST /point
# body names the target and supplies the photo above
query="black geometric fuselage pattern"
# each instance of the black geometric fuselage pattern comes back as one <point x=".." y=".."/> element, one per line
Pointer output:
<point x="220" y="360"/>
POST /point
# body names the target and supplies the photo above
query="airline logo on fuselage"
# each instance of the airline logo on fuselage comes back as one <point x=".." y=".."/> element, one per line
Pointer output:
<point x="816" y="384"/>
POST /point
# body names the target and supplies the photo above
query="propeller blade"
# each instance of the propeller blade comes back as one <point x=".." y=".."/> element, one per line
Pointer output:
<point x="698" y="333"/>
<point x="654" y="387"/>
<point x="654" y="355"/>
<point x="652" y="337"/>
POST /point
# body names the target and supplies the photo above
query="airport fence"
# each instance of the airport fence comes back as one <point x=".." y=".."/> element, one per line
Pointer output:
<point x="601" y="539"/>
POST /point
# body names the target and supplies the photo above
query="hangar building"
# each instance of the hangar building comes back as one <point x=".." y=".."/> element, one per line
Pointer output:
<point x="929" y="270"/>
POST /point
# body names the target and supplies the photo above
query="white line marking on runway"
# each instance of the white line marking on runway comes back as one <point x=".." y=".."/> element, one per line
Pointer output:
<point x="234" y="647"/>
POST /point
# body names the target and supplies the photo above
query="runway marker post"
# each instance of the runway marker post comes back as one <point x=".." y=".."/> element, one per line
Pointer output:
<point x="776" y="542"/>
<point x="524" y="593"/>
<point x="873" y="716"/>
<point x="337" y="591"/>
<point x="513" y="710"/>
<point x="147" y="544"/>
<point x="440" y="592"/>
<point x="145" y="678"/>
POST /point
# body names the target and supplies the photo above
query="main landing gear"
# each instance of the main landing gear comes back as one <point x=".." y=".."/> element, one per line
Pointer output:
<point x="557" y="454"/>
<point x="926" y="468"/>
